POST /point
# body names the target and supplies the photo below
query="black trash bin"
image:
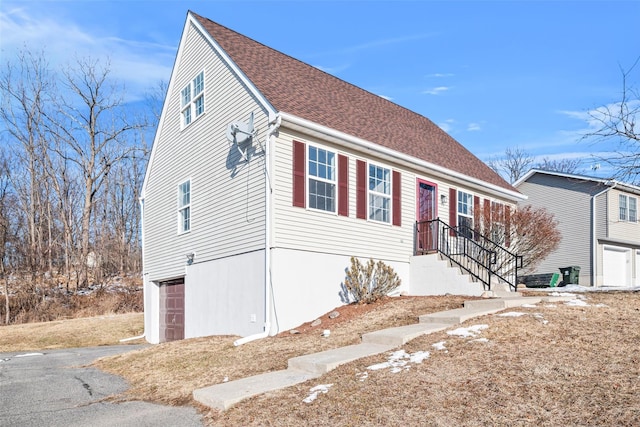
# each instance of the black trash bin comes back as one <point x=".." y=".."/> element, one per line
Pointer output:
<point x="570" y="275"/>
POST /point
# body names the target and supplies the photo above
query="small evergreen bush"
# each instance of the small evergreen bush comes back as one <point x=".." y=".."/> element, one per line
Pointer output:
<point x="368" y="283"/>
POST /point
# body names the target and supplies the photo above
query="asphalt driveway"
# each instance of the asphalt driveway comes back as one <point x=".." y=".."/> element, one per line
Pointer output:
<point x="54" y="388"/>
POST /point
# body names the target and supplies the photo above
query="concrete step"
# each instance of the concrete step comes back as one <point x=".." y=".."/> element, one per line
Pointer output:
<point x="514" y="300"/>
<point x="506" y="294"/>
<point x="403" y="334"/>
<point x="222" y="396"/>
<point x="325" y="361"/>
<point x="458" y="315"/>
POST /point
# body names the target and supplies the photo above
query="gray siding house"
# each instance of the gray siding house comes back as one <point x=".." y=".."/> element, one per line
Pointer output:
<point x="266" y="175"/>
<point x="598" y="220"/>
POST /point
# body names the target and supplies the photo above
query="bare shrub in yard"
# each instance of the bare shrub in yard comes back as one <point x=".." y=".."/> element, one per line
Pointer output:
<point x="27" y="306"/>
<point x="366" y="284"/>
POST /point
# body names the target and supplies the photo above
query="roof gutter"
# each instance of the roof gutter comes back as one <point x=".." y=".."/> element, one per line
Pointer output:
<point x="594" y="240"/>
<point x="404" y="158"/>
<point x="274" y="125"/>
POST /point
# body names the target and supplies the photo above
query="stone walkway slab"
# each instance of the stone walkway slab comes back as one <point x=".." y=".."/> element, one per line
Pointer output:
<point x="222" y="396"/>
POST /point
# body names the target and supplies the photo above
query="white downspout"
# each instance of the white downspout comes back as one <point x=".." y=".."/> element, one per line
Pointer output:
<point x="273" y="128"/>
<point x="594" y="239"/>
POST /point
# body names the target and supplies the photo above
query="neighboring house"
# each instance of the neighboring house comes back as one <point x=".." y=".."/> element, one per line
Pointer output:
<point x="252" y="236"/>
<point x="598" y="220"/>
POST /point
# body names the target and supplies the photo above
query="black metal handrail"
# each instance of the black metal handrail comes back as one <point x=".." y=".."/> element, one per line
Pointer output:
<point x="479" y="256"/>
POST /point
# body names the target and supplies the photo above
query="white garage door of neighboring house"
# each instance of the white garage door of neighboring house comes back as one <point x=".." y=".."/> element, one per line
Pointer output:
<point x="616" y="266"/>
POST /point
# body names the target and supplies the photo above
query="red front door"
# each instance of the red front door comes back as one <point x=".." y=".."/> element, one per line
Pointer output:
<point x="427" y="211"/>
<point x="172" y="310"/>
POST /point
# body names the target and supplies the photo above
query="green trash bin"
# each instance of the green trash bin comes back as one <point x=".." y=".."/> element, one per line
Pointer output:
<point x="570" y="275"/>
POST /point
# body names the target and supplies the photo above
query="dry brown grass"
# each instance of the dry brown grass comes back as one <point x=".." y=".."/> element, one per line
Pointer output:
<point x="555" y="365"/>
<point x="580" y="368"/>
<point x="170" y="372"/>
<point x="84" y="332"/>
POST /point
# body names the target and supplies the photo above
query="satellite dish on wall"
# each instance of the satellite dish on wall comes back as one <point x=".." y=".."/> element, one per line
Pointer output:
<point x="241" y="135"/>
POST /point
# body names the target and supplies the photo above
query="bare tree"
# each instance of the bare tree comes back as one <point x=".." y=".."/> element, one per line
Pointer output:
<point x="617" y="122"/>
<point x="515" y="163"/>
<point x="92" y="130"/>
<point x="7" y="226"/>
<point x="76" y="154"/>
<point x="155" y="99"/>
<point x="564" y="165"/>
<point x="25" y="86"/>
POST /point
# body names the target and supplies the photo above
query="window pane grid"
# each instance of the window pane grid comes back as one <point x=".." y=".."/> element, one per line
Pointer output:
<point x="465" y="213"/>
<point x="186" y="115"/>
<point x="379" y="207"/>
<point x="198" y="84"/>
<point x="199" y="104"/>
<point x="623" y="207"/>
<point x="465" y="204"/>
<point x="633" y="209"/>
<point x="322" y="195"/>
<point x="379" y="180"/>
<point x="379" y="194"/>
<point x="322" y="179"/>
<point x="186" y="95"/>
<point x="184" y="206"/>
<point x="192" y="100"/>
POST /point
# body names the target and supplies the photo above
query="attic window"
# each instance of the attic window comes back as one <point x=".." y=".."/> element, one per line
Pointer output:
<point x="192" y="100"/>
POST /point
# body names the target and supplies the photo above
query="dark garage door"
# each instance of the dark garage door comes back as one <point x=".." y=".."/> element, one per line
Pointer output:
<point x="172" y="310"/>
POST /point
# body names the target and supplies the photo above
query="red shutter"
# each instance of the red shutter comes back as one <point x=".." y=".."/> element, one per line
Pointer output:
<point x="396" y="192"/>
<point x="299" y="195"/>
<point x="507" y="226"/>
<point x="476" y="217"/>
<point x="361" y="189"/>
<point x="453" y="210"/>
<point x="343" y="185"/>
<point x="486" y="221"/>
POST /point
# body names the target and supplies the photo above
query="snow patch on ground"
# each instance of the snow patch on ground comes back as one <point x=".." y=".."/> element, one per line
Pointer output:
<point x="512" y="314"/>
<point x="314" y="391"/>
<point x="576" y="303"/>
<point x="469" y="332"/>
<point x="439" y="345"/>
<point x="399" y="361"/>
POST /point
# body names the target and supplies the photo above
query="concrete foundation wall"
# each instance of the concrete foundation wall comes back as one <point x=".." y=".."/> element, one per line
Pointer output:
<point x="430" y="275"/>
<point x="307" y="285"/>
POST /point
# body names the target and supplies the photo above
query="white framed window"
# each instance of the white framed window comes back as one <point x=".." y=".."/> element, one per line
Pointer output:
<point x="322" y="179"/>
<point x="192" y="100"/>
<point x="465" y="213"/>
<point x="622" y="206"/>
<point x="184" y="207"/>
<point x="379" y="193"/>
<point x="628" y="207"/>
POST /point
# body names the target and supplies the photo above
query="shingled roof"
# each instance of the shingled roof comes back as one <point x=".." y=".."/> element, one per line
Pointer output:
<point x="302" y="90"/>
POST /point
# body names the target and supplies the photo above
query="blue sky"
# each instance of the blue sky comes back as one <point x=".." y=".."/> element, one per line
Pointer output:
<point x="493" y="74"/>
